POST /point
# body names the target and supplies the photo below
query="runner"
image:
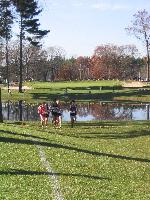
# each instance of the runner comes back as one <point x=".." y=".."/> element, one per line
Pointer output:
<point x="44" y="114"/>
<point x="56" y="114"/>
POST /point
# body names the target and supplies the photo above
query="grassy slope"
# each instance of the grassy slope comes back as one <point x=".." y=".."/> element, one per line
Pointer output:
<point x="96" y="161"/>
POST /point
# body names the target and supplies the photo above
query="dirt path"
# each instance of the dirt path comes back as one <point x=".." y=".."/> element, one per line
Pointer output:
<point x="134" y="84"/>
<point x="17" y="88"/>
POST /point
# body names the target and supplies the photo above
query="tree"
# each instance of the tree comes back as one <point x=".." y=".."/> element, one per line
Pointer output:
<point x="34" y="62"/>
<point x="2" y="57"/>
<point x="6" y="21"/>
<point x="83" y="65"/>
<point x="140" y="28"/>
<point x="68" y="70"/>
<point x="29" y="28"/>
<point x="55" y="58"/>
<point x="112" y="61"/>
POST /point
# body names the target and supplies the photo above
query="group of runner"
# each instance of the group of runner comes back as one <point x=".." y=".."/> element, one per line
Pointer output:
<point x="44" y="111"/>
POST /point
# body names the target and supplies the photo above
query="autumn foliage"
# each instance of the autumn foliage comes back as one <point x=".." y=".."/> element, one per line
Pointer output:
<point x="107" y="62"/>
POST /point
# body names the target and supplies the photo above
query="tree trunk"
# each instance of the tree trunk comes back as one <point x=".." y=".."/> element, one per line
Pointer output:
<point x="20" y="69"/>
<point x="148" y="59"/>
<point x="7" y="64"/>
<point x="1" y="115"/>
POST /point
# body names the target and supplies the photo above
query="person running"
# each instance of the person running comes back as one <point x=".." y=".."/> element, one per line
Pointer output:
<point x="44" y="114"/>
<point x="73" y="112"/>
<point x="56" y="114"/>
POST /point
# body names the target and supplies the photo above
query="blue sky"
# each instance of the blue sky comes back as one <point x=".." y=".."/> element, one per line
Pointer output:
<point x="78" y="26"/>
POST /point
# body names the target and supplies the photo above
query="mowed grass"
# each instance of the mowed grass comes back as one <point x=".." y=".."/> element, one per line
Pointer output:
<point x="80" y="90"/>
<point x="73" y="84"/>
<point x="92" y="161"/>
<point x="21" y="173"/>
<point x="110" y="90"/>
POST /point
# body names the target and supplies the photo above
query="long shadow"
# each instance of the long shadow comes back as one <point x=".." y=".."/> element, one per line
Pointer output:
<point x="96" y="135"/>
<point x="29" y="172"/>
<point x="60" y="146"/>
<point x="101" y="124"/>
<point x="83" y="88"/>
<point x="76" y="96"/>
<point x="108" y="95"/>
<point x="132" y="93"/>
<point x="115" y="123"/>
<point x="93" y="88"/>
<point x="24" y="135"/>
<point x="46" y="88"/>
<point x="129" y="135"/>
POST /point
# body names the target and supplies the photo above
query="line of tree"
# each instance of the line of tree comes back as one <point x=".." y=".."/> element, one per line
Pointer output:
<point x="107" y="62"/>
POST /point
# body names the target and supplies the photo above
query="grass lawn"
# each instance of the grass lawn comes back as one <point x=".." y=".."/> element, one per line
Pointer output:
<point x="92" y="161"/>
<point x="80" y="91"/>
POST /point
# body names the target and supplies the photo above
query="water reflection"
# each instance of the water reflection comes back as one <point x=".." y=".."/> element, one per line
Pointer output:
<point x="20" y="111"/>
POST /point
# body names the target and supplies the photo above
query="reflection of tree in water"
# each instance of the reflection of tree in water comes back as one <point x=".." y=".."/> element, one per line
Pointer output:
<point x="99" y="111"/>
<point x="12" y="110"/>
<point x="83" y="110"/>
<point x="20" y="111"/>
<point x="30" y="112"/>
<point x="105" y="111"/>
<point x="102" y="111"/>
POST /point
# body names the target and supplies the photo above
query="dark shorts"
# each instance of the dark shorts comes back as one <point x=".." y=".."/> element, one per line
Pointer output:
<point x="46" y="115"/>
<point x="73" y="114"/>
<point x="55" y="114"/>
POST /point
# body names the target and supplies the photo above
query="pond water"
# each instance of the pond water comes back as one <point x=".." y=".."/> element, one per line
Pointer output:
<point x="21" y="111"/>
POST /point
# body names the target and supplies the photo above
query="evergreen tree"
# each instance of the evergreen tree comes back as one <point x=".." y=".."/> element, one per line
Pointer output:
<point x="29" y="27"/>
<point x="6" y="21"/>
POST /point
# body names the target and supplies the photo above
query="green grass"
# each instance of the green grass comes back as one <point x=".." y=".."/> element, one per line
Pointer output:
<point x="94" y="160"/>
<point x="80" y="91"/>
<point x="22" y="176"/>
<point x="73" y="84"/>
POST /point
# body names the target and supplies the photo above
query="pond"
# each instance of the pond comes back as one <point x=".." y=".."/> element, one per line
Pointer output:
<point x="21" y="111"/>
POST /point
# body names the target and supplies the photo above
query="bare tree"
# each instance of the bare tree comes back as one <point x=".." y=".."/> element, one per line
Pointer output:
<point x="55" y="57"/>
<point x="140" y="28"/>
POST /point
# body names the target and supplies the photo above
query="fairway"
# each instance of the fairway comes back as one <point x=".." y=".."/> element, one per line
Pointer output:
<point x="95" y="161"/>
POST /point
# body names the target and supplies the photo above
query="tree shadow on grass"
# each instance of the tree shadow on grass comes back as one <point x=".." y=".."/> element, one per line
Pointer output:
<point x="75" y="149"/>
<point x="29" y="172"/>
<point x="114" y="123"/>
<point x="89" y="94"/>
<point x="128" y="135"/>
<point x="76" y="96"/>
<point x="24" y="135"/>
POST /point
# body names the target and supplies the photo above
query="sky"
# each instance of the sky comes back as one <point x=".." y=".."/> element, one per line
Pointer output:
<point x="79" y="26"/>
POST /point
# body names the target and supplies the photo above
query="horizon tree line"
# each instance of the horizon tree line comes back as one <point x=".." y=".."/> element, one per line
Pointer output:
<point x="107" y="62"/>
